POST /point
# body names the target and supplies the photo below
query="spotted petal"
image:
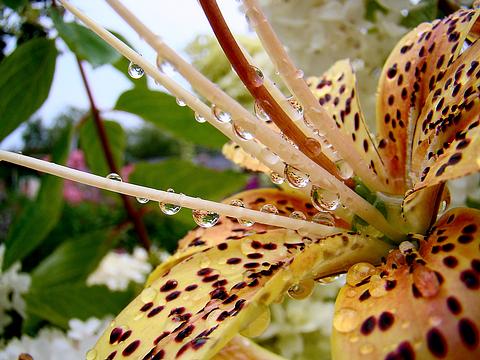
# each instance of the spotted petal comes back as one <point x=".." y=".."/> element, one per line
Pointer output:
<point x="418" y="305"/>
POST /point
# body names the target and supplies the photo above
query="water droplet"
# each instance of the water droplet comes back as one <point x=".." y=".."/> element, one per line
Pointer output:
<point x="199" y="118"/>
<point x="377" y="286"/>
<point x="435" y="320"/>
<point x="346" y="320"/>
<point x="258" y="325"/>
<point x="241" y="132"/>
<point x="91" y="354"/>
<point x="205" y="218"/>
<point x="298" y="215"/>
<point x="327" y="280"/>
<point x="148" y="294"/>
<point x="180" y="102"/>
<point x="323" y="218"/>
<point x="344" y="169"/>
<point x="142" y="200"/>
<point x="135" y="71"/>
<point x="257" y="77"/>
<point x="426" y="281"/>
<point x="324" y="199"/>
<point x="259" y="112"/>
<point x="405" y="246"/>
<point x="302" y="290"/>
<point x="221" y="115"/>
<point x="113" y="176"/>
<point x="277" y="178"/>
<point x="295" y="177"/>
<point x="299" y="73"/>
<point x="314" y="146"/>
<point x="244" y="222"/>
<point x="169" y="209"/>
<point x="296" y="105"/>
<point x="269" y="208"/>
<point x="366" y="349"/>
<point x="359" y="272"/>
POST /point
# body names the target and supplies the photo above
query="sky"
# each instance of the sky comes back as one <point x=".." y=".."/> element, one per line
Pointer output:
<point x="177" y="21"/>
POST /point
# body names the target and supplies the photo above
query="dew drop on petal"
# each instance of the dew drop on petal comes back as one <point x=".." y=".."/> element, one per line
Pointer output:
<point x="346" y="320"/>
<point x="259" y="112"/>
<point x="323" y="218"/>
<point x="148" y="294"/>
<point x="426" y="281"/>
<point x="344" y="169"/>
<point x="242" y="133"/>
<point x="92" y="354"/>
<point x="377" y="286"/>
<point x="359" y="272"/>
<point x="302" y="290"/>
<point x="221" y="115"/>
<point x="135" y="71"/>
<point x="269" y="208"/>
<point x="324" y="199"/>
<point x="114" y="176"/>
<point x="169" y="209"/>
<point x="205" y="218"/>
<point x="199" y="118"/>
<point x="180" y="102"/>
<point x="295" y="177"/>
<point x="298" y="215"/>
<point x="244" y="222"/>
<point x="277" y="178"/>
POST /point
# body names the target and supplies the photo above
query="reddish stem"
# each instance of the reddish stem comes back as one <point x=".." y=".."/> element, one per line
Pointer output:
<point x="248" y="75"/>
<point x="107" y="151"/>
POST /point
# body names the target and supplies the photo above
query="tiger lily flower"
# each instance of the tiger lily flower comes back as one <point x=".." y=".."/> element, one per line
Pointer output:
<point x="413" y="270"/>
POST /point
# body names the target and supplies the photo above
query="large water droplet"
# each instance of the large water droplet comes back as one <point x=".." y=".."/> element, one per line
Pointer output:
<point x="199" y="118"/>
<point x="344" y="169"/>
<point x="346" y="320"/>
<point x="296" y="178"/>
<point x="244" y="222"/>
<point x="242" y="133"/>
<point x="298" y="215"/>
<point x="276" y="178"/>
<point x="142" y="200"/>
<point x="257" y="77"/>
<point x="114" y="176"/>
<point x="359" y="272"/>
<point x="92" y="354"/>
<point x="221" y="115"/>
<point x="296" y="105"/>
<point x="314" y="146"/>
<point x="323" y="218"/>
<point x="377" y="286"/>
<point x="148" y="294"/>
<point x="169" y="209"/>
<point x="205" y="218"/>
<point x="180" y="102"/>
<point x="324" y="199"/>
<point x="302" y="290"/>
<point x="259" y="112"/>
<point x="135" y="71"/>
<point x="258" y="325"/>
<point x="269" y="208"/>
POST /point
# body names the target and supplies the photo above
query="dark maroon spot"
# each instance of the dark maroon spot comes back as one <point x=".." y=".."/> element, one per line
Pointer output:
<point x="390" y="284"/>
<point x="251" y="265"/>
<point x="468" y="333"/>
<point x="416" y="293"/>
<point x="219" y="293"/>
<point x="465" y="239"/>
<point x="111" y="356"/>
<point x="234" y="261"/>
<point x="392" y="71"/>
<point x="254" y="283"/>
<point x="469" y="229"/>
<point x="146" y="307"/>
<point x="470" y="279"/>
<point x="204" y="271"/>
<point x="197" y="343"/>
<point x="365" y="295"/>
<point x="476" y="265"/>
<point x="130" y="349"/>
<point x="450" y="261"/>
<point x="191" y="287"/>
<point x="453" y="305"/>
<point x="184" y="333"/>
<point x="255" y="255"/>
<point x="269" y="246"/>
<point x="256" y="244"/>
<point x="368" y="325"/>
<point x="448" y="247"/>
<point x="239" y="285"/>
<point x="156" y="310"/>
<point x="442" y="238"/>
<point x="222" y="246"/>
<point x="159" y="355"/>
<point x="210" y="278"/>
<point x="435" y="249"/>
<point x="177" y="311"/>
<point x="385" y="321"/>
<point x="220" y="283"/>
<point x="230" y="299"/>
<point x="173" y="295"/>
<point x="115" y="335"/>
<point x="223" y="315"/>
<point x="436" y="343"/>
<point x="125" y="335"/>
<point x="182" y="350"/>
<point x="169" y="285"/>
<point x="162" y="335"/>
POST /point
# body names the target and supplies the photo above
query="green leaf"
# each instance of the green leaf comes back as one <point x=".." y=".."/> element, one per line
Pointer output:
<point x="73" y="260"/>
<point x="426" y="10"/>
<point x="14" y="4"/>
<point x="188" y="178"/>
<point x="40" y="216"/>
<point x="92" y="147"/>
<point x="161" y="109"/>
<point x="61" y="303"/>
<point x="371" y="8"/>
<point x="27" y="75"/>
<point x="84" y="42"/>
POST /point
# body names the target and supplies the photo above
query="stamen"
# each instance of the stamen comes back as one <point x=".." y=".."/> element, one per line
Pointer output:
<point x="166" y="196"/>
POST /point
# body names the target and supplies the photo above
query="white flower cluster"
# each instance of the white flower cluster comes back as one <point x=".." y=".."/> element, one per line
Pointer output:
<point x="117" y="269"/>
<point x="13" y="284"/>
<point x="53" y="344"/>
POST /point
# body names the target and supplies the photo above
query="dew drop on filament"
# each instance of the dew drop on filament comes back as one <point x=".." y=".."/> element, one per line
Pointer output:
<point x="114" y="176"/>
<point x="169" y="209"/>
<point x="269" y="209"/>
<point x="241" y="133"/>
<point x="135" y="71"/>
<point x="323" y="218"/>
<point x="180" y="102"/>
<point x="324" y="199"/>
<point x="295" y="177"/>
<point x="221" y="115"/>
<point x="344" y="169"/>
<point x="142" y="200"/>
<point x="259" y="112"/>
<point x="244" y="222"/>
<point x="199" y="118"/>
<point x="205" y="218"/>
<point x="257" y="77"/>
<point x="277" y="178"/>
<point x="298" y="215"/>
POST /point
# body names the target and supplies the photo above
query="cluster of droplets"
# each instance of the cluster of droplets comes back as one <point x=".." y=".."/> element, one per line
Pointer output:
<point x="244" y="222"/>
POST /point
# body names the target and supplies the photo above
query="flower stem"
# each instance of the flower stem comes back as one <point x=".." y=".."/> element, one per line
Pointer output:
<point x="132" y="214"/>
